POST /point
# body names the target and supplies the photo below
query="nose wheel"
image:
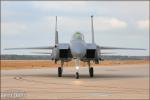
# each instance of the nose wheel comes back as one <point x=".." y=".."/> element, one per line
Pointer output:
<point x="77" y="63"/>
<point x="77" y="75"/>
<point x="91" y="71"/>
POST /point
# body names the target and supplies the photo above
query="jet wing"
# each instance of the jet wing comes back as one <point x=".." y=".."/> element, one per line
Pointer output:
<point x="107" y="53"/>
<point x="42" y="53"/>
<point x="107" y="48"/>
<point x="44" y="47"/>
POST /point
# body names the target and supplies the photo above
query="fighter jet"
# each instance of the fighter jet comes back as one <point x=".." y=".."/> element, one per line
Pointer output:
<point x="77" y="50"/>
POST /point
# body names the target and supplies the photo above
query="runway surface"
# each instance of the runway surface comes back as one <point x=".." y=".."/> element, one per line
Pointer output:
<point x="109" y="82"/>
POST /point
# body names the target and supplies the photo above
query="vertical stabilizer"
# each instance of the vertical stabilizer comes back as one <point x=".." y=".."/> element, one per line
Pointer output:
<point x="56" y="32"/>
<point x="92" y="29"/>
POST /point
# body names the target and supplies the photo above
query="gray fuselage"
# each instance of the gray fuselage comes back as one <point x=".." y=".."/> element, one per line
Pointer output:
<point x="78" y="46"/>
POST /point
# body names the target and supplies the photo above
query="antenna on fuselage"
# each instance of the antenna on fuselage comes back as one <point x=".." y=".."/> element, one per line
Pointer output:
<point x="92" y="29"/>
<point x="56" y="33"/>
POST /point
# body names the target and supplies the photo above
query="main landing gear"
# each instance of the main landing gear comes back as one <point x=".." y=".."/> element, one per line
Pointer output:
<point x="77" y="63"/>
<point x="60" y="69"/>
<point x="59" y="72"/>
<point x="91" y="70"/>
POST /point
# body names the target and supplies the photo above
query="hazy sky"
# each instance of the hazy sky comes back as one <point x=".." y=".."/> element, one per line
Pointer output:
<point x="116" y="23"/>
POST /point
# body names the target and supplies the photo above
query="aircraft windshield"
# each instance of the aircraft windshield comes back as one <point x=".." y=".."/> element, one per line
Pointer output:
<point x="78" y="35"/>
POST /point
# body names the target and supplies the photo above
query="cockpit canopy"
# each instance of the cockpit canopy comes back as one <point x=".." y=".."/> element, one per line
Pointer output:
<point x="78" y="35"/>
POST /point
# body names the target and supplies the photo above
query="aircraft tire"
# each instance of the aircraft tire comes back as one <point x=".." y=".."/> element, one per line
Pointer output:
<point x="77" y="75"/>
<point x="91" y="70"/>
<point x="59" y="72"/>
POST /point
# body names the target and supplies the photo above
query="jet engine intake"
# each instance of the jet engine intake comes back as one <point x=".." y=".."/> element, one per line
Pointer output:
<point x="64" y="53"/>
<point x="90" y="53"/>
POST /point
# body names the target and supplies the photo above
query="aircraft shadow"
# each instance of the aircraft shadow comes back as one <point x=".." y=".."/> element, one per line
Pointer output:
<point x="96" y="76"/>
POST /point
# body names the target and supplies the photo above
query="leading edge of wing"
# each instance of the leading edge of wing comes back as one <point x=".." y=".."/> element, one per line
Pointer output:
<point x="48" y="53"/>
<point x="44" y="47"/>
<point x="121" y="48"/>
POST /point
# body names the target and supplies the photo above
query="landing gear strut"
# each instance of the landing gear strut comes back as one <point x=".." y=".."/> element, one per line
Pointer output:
<point x="59" y="72"/>
<point x="60" y="69"/>
<point x="91" y="70"/>
<point x="77" y="63"/>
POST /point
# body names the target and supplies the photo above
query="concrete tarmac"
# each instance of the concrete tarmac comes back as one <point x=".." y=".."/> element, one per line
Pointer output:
<point x="109" y="82"/>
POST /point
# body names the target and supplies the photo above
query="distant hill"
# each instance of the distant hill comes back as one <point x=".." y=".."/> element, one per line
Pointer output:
<point x="119" y="57"/>
<point x="25" y="57"/>
<point x="47" y="57"/>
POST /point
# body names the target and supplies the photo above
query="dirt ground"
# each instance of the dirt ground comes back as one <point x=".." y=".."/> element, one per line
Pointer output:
<point x="21" y="64"/>
<point x="109" y="82"/>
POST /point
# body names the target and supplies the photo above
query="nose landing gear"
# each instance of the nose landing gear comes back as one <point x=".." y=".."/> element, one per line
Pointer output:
<point x="77" y="63"/>
<point x="77" y="75"/>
